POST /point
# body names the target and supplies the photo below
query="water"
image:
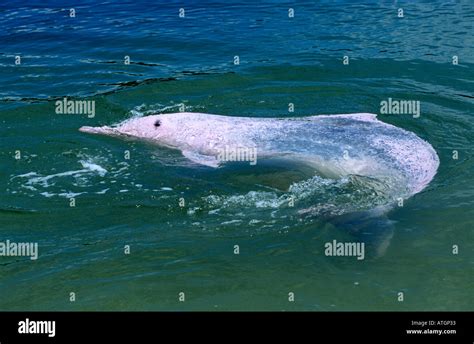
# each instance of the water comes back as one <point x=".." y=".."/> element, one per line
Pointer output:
<point x="188" y="64"/>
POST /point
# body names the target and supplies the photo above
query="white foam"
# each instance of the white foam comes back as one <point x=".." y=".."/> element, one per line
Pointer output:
<point x="93" y="167"/>
<point x="231" y="222"/>
<point x="47" y="194"/>
<point x="70" y="194"/>
<point x="35" y="181"/>
<point x="29" y="174"/>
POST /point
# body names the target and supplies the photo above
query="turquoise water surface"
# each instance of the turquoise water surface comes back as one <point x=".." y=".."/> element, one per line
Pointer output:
<point x="181" y="221"/>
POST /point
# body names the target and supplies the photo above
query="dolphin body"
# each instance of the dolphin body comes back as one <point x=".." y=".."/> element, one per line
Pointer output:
<point x="383" y="163"/>
<point x="334" y="145"/>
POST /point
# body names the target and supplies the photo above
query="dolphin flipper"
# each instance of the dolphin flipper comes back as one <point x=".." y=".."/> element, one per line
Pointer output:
<point x="201" y="159"/>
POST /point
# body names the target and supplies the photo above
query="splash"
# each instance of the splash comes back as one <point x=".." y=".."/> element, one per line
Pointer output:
<point x="34" y="181"/>
<point x="317" y="196"/>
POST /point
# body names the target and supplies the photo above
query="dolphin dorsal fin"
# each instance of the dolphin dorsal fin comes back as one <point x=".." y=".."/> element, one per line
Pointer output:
<point x="367" y="117"/>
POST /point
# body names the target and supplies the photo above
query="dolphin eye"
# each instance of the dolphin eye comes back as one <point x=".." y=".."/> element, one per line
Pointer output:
<point x="157" y="123"/>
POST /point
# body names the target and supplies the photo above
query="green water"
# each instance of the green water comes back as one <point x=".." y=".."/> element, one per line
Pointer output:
<point x="176" y="249"/>
<point x="190" y="248"/>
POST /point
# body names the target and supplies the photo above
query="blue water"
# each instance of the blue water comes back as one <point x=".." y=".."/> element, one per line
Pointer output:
<point x="187" y="63"/>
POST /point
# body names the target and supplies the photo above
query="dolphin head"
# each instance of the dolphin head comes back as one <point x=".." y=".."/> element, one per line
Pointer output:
<point x="153" y="127"/>
<point x="184" y="130"/>
<point x="159" y="128"/>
